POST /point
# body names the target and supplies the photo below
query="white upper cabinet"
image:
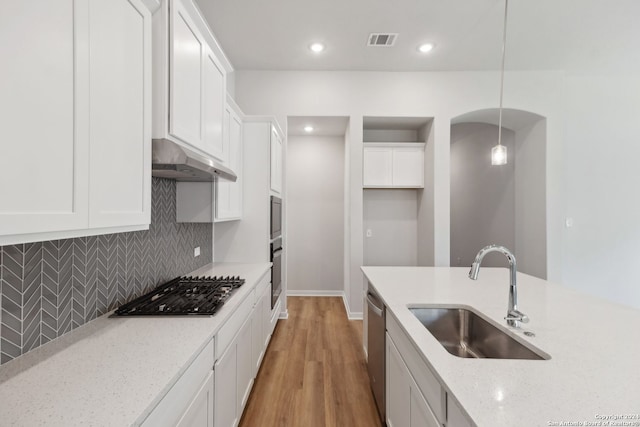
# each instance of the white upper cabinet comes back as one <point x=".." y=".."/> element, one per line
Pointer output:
<point x="187" y="51"/>
<point x="45" y="144"/>
<point x="393" y="165"/>
<point x="377" y="166"/>
<point x="276" y="161"/>
<point x="76" y="119"/>
<point x="189" y="80"/>
<point x="214" y="109"/>
<point x="120" y="113"/>
<point x="229" y="194"/>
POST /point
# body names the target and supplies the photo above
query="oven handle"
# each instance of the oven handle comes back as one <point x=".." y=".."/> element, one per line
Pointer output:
<point x="377" y="310"/>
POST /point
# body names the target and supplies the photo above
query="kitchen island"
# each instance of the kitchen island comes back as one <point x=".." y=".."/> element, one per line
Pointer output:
<point x="114" y="371"/>
<point x="591" y="378"/>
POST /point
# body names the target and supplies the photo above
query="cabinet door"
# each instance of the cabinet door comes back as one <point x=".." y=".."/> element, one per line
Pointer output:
<point x="257" y="342"/>
<point x="398" y="388"/>
<point x="377" y="167"/>
<point x="186" y="54"/>
<point x="276" y="162"/>
<point x="226" y="389"/>
<point x="408" y="167"/>
<point x="200" y="410"/>
<point x="44" y="109"/>
<point x="420" y="412"/>
<point x="266" y="317"/>
<point x="120" y="113"/>
<point x="245" y="365"/>
<point x="229" y="194"/>
<point x="213" y="109"/>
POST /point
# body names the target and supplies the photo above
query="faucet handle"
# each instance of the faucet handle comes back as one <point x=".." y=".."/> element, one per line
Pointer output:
<point x="517" y="315"/>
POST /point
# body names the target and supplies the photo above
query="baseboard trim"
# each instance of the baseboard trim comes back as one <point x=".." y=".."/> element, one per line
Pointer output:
<point x="303" y="293"/>
<point x="284" y="315"/>
<point x="350" y="315"/>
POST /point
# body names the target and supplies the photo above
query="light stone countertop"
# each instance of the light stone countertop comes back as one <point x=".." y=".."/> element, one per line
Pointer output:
<point x="112" y="371"/>
<point x="594" y="370"/>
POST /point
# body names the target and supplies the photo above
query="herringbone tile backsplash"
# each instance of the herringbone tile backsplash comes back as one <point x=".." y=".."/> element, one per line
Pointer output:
<point x="50" y="288"/>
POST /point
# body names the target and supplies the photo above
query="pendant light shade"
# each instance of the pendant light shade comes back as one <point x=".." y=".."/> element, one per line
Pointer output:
<point x="499" y="152"/>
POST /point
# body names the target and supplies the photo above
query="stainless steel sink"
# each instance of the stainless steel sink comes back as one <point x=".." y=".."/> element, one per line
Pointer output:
<point x="464" y="333"/>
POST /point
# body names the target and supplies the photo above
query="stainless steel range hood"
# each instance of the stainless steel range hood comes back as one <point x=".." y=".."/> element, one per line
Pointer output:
<point x="173" y="161"/>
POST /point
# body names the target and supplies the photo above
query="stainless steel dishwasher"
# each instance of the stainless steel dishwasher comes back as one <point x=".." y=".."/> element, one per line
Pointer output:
<point x="376" y="348"/>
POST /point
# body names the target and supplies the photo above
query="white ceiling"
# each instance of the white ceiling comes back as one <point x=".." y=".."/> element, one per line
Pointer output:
<point x="542" y="34"/>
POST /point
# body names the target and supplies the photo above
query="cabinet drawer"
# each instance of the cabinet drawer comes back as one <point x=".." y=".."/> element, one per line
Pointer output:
<point x="265" y="282"/>
<point x="232" y="326"/>
<point x="275" y="315"/>
<point x="173" y="404"/>
<point x="424" y="377"/>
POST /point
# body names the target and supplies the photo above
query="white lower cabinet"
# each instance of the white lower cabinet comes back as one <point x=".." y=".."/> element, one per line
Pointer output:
<point x="200" y="411"/>
<point x="398" y="388"/>
<point x="226" y="386"/>
<point x="246" y="373"/>
<point x="237" y="367"/>
<point x="215" y="388"/>
<point x="260" y="321"/>
<point x="406" y="407"/>
<point x="415" y="397"/>
<point x="190" y="400"/>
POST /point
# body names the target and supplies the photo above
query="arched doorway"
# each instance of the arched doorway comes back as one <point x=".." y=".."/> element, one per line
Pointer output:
<point x="499" y="204"/>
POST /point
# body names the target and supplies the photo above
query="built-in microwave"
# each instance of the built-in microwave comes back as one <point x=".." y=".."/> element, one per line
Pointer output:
<point x="276" y="217"/>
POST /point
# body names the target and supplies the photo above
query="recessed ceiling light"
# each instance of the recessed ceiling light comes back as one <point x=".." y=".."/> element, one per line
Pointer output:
<point x="317" y="47"/>
<point x="308" y="128"/>
<point x="426" y="47"/>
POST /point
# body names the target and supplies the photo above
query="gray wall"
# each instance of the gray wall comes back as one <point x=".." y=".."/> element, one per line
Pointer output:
<point x="315" y="214"/>
<point x="530" y="199"/>
<point x="392" y="217"/>
<point x="49" y="288"/>
<point x="482" y="196"/>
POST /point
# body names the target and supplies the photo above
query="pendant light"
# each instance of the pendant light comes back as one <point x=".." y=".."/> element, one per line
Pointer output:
<point x="499" y="152"/>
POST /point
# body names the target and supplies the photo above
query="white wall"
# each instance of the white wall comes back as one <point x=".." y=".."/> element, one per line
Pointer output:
<point x="392" y="217"/>
<point x="482" y="195"/>
<point x="602" y="250"/>
<point x="315" y="214"/>
<point x="442" y="95"/>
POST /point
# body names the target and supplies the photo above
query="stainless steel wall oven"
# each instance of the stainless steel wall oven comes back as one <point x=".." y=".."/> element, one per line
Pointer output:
<point x="276" y="270"/>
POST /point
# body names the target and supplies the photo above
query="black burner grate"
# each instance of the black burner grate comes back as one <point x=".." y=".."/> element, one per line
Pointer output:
<point x="183" y="296"/>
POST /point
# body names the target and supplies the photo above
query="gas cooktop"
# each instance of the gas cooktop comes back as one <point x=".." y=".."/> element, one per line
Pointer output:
<point x="183" y="296"/>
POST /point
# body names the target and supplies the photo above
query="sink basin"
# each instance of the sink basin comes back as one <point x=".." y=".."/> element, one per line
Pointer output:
<point x="464" y="333"/>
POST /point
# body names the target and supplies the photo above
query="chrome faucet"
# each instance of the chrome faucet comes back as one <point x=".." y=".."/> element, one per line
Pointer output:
<point x="514" y="317"/>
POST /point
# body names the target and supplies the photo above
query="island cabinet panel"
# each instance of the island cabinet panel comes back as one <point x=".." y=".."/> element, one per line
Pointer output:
<point x="406" y="406"/>
<point x="398" y="388"/>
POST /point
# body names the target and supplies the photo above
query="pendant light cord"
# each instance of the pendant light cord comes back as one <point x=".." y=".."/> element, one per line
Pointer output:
<point x="504" y="49"/>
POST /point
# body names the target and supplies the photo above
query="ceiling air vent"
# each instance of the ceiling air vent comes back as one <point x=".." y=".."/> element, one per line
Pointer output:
<point x="382" y="39"/>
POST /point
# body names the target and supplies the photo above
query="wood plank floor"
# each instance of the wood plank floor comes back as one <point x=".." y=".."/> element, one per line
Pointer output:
<point x="314" y="373"/>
